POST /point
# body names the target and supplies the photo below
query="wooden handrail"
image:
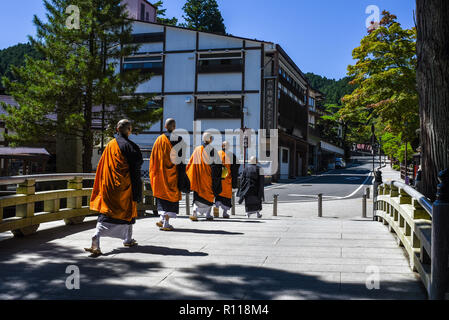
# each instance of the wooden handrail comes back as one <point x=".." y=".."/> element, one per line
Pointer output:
<point x="22" y="204"/>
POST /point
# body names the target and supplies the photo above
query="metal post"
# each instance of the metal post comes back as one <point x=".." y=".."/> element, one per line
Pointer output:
<point x="233" y="204"/>
<point x="188" y="203"/>
<point x="377" y="183"/>
<point x="440" y="240"/>
<point x="367" y="192"/>
<point x="275" y="204"/>
<point x="320" y="205"/>
<point x="364" y="206"/>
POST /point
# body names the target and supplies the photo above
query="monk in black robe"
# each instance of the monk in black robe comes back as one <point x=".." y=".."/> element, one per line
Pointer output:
<point x="117" y="189"/>
<point x="252" y="188"/>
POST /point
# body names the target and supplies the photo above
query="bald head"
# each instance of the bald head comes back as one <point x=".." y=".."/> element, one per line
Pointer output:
<point x="124" y="127"/>
<point x="170" y="124"/>
<point x="207" y="137"/>
<point x="225" y="145"/>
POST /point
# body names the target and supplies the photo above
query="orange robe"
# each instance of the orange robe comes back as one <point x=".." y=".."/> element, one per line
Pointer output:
<point x="163" y="172"/>
<point x="112" y="192"/>
<point x="226" y="183"/>
<point x="200" y="174"/>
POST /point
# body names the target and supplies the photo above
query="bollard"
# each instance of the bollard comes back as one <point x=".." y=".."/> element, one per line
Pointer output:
<point x="188" y="203"/>
<point x="320" y="205"/>
<point x="275" y="204"/>
<point x="233" y="204"/>
<point x="377" y="183"/>
<point x="367" y="192"/>
<point x="216" y="212"/>
<point x="440" y="240"/>
<point x="364" y="206"/>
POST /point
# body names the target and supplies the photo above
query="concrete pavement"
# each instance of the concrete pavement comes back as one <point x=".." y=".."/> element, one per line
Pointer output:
<point x="295" y="255"/>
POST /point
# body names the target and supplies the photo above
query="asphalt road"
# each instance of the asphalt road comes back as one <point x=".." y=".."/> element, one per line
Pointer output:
<point x="335" y="184"/>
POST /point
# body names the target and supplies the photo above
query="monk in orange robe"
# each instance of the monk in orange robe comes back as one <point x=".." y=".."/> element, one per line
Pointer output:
<point x="229" y="181"/>
<point x="204" y="171"/>
<point x="167" y="174"/>
<point x="117" y="189"/>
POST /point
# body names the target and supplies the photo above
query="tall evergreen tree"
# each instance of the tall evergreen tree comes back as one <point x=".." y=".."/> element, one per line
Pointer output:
<point x="203" y="15"/>
<point x="161" y="15"/>
<point x="80" y="70"/>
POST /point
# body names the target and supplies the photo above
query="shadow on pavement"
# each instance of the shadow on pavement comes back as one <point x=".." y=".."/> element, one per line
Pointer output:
<point x="165" y="251"/>
<point x="218" y="232"/>
<point x="42" y="274"/>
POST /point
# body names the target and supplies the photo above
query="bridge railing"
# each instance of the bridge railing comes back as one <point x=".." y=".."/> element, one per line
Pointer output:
<point x="411" y="216"/>
<point x="30" y="208"/>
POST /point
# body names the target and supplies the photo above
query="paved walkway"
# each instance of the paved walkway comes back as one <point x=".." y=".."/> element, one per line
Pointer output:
<point x="295" y="255"/>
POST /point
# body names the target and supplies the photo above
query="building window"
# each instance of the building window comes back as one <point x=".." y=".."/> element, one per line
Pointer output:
<point x="220" y="62"/>
<point x="147" y="37"/>
<point x="148" y="16"/>
<point x="142" y="11"/>
<point x="144" y="64"/>
<point x="284" y="155"/>
<point x="219" y="108"/>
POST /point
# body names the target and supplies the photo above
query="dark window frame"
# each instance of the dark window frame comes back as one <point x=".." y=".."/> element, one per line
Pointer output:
<point x="201" y="111"/>
<point x="223" y="62"/>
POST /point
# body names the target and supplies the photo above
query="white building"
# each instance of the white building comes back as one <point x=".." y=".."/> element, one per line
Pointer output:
<point x="227" y="82"/>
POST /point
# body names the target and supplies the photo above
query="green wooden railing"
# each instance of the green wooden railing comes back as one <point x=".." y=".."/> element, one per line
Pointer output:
<point x="408" y="214"/>
<point x="26" y="219"/>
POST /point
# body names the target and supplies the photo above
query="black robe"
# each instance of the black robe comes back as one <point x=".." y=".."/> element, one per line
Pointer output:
<point x="251" y="188"/>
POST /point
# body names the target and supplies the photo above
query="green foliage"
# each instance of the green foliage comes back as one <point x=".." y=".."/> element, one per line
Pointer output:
<point x="56" y="95"/>
<point x="203" y="15"/>
<point x="385" y="75"/>
<point x="333" y="89"/>
<point x="15" y="56"/>
<point x="161" y="15"/>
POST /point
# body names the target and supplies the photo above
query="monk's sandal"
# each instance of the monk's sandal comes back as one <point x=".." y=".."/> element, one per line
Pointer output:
<point x="94" y="252"/>
<point x="193" y="218"/>
<point x="132" y="243"/>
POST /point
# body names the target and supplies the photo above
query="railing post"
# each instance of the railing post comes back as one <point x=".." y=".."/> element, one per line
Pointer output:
<point x="27" y="188"/>
<point x="320" y="205"/>
<point x="275" y="204"/>
<point x="74" y="202"/>
<point x="233" y="204"/>
<point x="440" y="239"/>
<point x="26" y="210"/>
<point x="394" y="192"/>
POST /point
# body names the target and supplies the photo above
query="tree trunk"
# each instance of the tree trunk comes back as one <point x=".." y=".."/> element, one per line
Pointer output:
<point x="88" y="104"/>
<point x="433" y="88"/>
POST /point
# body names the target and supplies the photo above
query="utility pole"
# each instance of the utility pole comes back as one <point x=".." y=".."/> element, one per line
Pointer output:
<point x="373" y="139"/>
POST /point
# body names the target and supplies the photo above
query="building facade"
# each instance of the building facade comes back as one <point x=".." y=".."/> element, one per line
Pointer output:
<point x="228" y="83"/>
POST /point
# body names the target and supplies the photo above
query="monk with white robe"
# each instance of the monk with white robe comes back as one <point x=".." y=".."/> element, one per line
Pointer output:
<point x="117" y="189"/>
<point x="167" y="174"/>
<point x="229" y="180"/>
<point x="204" y="171"/>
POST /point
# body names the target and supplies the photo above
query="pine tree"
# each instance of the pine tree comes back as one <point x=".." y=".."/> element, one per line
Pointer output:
<point x="203" y="15"/>
<point x="160" y="15"/>
<point x="80" y="70"/>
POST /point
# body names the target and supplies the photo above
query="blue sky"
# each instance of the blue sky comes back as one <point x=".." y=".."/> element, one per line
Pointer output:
<point x="319" y="35"/>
